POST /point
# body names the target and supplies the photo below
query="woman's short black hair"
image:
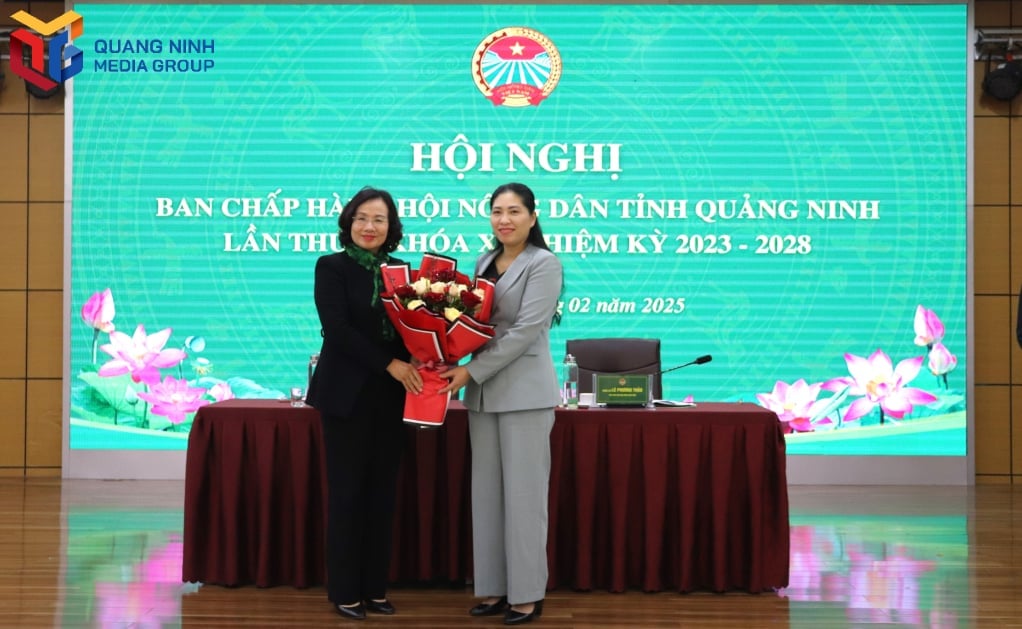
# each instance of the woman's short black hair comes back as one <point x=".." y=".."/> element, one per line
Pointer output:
<point x="525" y="193"/>
<point x="395" y="232"/>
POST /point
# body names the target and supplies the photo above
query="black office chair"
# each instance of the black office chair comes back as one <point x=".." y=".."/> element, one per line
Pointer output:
<point x="615" y="355"/>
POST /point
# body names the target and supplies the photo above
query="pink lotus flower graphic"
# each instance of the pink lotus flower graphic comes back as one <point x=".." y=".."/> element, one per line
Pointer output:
<point x="221" y="391"/>
<point x="140" y="355"/>
<point x="98" y="313"/>
<point x="793" y="404"/>
<point x="941" y="361"/>
<point x="928" y="327"/>
<point x="881" y="384"/>
<point x="173" y="399"/>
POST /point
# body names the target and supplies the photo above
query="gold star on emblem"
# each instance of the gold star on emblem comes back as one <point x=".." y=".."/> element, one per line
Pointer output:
<point x="517" y="49"/>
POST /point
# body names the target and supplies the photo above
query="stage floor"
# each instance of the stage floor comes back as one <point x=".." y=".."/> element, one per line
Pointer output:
<point x="108" y="554"/>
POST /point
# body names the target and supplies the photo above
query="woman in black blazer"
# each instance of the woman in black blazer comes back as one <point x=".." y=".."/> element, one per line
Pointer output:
<point x="358" y="388"/>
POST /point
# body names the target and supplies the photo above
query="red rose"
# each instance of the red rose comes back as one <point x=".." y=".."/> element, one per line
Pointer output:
<point x="470" y="299"/>
<point x="444" y="275"/>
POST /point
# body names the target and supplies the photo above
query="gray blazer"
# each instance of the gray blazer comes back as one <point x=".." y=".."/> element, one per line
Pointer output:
<point x="514" y="370"/>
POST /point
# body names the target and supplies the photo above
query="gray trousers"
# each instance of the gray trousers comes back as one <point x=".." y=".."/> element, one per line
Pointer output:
<point x="510" y="485"/>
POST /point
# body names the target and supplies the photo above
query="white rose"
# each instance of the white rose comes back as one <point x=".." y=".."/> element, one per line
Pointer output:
<point x="452" y="313"/>
<point x="415" y="303"/>
<point x="438" y="287"/>
<point x="421" y="286"/>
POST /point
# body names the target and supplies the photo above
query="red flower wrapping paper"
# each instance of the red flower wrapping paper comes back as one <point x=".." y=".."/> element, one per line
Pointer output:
<point x="442" y="316"/>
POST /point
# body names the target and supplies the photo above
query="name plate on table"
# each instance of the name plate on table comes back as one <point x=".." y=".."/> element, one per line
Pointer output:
<point x="615" y="389"/>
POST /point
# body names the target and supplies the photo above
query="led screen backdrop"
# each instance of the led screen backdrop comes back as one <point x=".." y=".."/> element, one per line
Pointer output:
<point x="783" y="187"/>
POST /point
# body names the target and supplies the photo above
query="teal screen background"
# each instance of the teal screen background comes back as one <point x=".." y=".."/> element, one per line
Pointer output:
<point x="709" y="107"/>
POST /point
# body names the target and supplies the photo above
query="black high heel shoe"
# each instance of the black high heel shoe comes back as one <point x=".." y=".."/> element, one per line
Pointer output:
<point x="354" y="612"/>
<point x="489" y="609"/>
<point x="511" y="617"/>
<point x="380" y="607"/>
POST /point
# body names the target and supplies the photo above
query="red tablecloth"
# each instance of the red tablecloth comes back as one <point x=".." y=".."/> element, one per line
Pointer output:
<point x="669" y="499"/>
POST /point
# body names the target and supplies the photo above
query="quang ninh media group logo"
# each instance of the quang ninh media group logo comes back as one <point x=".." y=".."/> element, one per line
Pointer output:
<point x="51" y="57"/>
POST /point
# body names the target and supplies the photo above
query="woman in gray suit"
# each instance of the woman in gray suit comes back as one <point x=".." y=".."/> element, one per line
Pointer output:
<point x="510" y="391"/>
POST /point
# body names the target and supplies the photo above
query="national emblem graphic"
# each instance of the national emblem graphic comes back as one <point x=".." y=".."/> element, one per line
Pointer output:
<point x="516" y="67"/>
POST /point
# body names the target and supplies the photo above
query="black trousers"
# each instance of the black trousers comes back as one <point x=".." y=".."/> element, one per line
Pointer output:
<point x="363" y="454"/>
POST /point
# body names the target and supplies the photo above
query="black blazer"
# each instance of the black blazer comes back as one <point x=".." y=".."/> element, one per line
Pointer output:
<point x="354" y="349"/>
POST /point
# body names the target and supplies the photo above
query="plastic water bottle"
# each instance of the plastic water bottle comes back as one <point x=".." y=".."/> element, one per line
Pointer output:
<point x="570" y="379"/>
<point x="313" y="361"/>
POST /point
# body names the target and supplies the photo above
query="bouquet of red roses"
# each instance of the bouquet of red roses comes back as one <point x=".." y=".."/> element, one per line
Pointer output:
<point x="442" y="316"/>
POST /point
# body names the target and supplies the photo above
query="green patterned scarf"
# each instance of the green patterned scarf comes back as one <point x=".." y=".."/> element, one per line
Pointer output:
<point x="371" y="262"/>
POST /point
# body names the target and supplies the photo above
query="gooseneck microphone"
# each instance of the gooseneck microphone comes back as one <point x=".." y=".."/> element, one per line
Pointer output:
<point x="698" y="361"/>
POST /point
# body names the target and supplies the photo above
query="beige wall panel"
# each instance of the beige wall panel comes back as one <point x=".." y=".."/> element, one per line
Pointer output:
<point x="1016" y="350"/>
<point x="13" y="98"/>
<point x="50" y="105"/>
<point x="13" y="245"/>
<point x="13" y="163"/>
<point x="46" y="158"/>
<point x="44" y="424"/>
<point x="1016" y="430"/>
<point x="991" y="246"/>
<point x="46" y="246"/>
<point x="1014" y="262"/>
<point x="1016" y="159"/>
<point x="993" y="12"/>
<point x="1015" y="257"/>
<point x="993" y="430"/>
<point x="991" y="161"/>
<point x="12" y="423"/>
<point x="994" y="339"/>
<point x="12" y="317"/>
<point x="45" y="334"/>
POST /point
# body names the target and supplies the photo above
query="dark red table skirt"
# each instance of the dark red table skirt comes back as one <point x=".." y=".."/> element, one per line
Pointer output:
<point x="676" y="499"/>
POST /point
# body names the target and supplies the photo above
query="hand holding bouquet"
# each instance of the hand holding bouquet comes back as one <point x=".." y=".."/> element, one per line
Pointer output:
<point x="442" y="316"/>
